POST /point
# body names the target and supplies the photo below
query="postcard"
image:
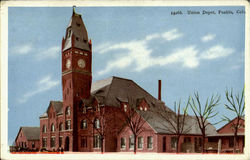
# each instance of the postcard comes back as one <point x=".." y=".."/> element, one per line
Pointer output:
<point x="141" y="80"/>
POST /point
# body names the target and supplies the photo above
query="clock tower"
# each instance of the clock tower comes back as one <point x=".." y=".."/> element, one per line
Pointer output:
<point x="76" y="76"/>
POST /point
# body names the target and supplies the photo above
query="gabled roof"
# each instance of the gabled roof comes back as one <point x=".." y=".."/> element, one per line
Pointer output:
<point x="115" y="90"/>
<point x="31" y="133"/>
<point x="228" y="123"/>
<point x="57" y="106"/>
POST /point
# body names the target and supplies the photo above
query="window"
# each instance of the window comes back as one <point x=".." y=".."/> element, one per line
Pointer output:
<point x="125" y="108"/>
<point x="52" y="142"/>
<point x="33" y="144"/>
<point x="67" y="111"/>
<point x="69" y="32"/>
<point x="78" y="24"/>
<point x="84" y="110"/>
<point x="52" y="127"/>
<point x="150" y="142"/>
<point x="97" y="123"/>
<point x="123" y="143"/>
<point x="60" y="126"/>
<point x="44" y="129"/>
<point x="131" y="142"/>
<point x="173" y="142"/>
<point x="24" y="144"/>
<point x="77" y="38"/>
<point x="84" y="142"/>
<point x="200" y="142"/>
<point x="231" y="142"/>
<point x="140" y="142"/>
<point x="145" y="109"/>
<point x="84" y="124"/>
<point x="141" y="108"/>
<point x="60" y="141"/>
<point x="44" y="142"/>
<point x="67" y="125"/>
<point x="97" y="141"/>
<point x="187" y="140"/>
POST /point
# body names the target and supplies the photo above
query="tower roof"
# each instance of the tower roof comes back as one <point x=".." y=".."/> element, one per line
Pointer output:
<point x="77" y="32"/>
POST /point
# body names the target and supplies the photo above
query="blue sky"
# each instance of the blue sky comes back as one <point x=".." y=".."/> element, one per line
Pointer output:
<point x="189" y="53"/>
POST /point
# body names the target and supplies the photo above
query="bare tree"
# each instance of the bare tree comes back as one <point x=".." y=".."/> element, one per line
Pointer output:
<point x="133" y="119"/>
<point x="203" y="114"/>
<point x="176" y="122"/>
<point x="236" y="104"/>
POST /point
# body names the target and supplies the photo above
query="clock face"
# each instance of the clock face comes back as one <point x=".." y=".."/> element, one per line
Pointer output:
<point x="68" y="63"/>
<point x="81" y="63"/>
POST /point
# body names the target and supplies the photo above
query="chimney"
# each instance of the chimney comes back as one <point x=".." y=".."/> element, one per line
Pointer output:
<point x="159" y="90"/>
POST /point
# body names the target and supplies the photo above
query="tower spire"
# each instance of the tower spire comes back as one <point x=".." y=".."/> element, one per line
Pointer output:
<point x="74" y="9"/>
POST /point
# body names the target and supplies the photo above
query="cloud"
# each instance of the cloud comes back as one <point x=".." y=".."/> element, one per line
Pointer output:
<point x="168" y="36"/>
<point x="51" y="52"/>
<point x="208" y="37"/>
<point x="216" y="52"/>
<point x="172" y="35"/>
<point x="137" y="53"/>
<point x="46" y="83"/>
<point x="22" y="49"/>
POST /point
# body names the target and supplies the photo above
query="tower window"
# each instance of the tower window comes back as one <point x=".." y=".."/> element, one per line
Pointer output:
<point x="52" y="127"/>
<point x="67" y="126"/>
<point x="60" y="126"/>
<point x="78" y="24"/>
<point x="77" y="38"/>
<point x="67" y="111"/>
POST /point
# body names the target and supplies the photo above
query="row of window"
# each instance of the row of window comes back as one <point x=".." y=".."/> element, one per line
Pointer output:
<point x="68" y="125"/>
<point x="84" y="142"/>
<point x="139" y="142"/>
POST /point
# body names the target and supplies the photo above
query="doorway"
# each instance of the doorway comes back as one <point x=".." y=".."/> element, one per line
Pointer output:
<point x="66" y="146"/>
<point x="164" y="148"/>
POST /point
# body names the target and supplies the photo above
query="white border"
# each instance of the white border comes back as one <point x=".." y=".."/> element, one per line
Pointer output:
<point x="4" y="80"/>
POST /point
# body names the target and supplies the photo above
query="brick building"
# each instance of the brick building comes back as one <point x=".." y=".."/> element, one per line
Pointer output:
<point x="91" y="115"/>
<point x="223" y="140"/>
<point x="28" y="138"/>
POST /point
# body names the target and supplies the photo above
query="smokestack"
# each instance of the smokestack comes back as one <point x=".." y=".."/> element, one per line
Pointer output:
<point x="159" y="90"/>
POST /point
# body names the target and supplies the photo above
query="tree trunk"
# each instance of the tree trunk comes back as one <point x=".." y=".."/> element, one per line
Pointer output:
<point x="102" y="147"/>
<point x="203" y="143"/>
<point x="135" y="137"/>
<point x="177" y="143"/>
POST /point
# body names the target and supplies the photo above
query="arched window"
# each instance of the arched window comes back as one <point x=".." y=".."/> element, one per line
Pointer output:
<point x="44" y="129"/>
<point x="97" y="123"/>
<point x="60" y="126"/>
<point x="84" y="124"/>
<point x="52" y="127"/>
<point x="67" y="112"/>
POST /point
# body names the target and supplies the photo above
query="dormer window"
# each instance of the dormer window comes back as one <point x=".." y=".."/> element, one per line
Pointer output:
<point x="69" y="32"/>
<point x="125" y="107"/>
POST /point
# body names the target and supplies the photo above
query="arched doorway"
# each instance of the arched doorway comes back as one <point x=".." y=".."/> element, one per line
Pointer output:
<point x="66" y="146"/>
